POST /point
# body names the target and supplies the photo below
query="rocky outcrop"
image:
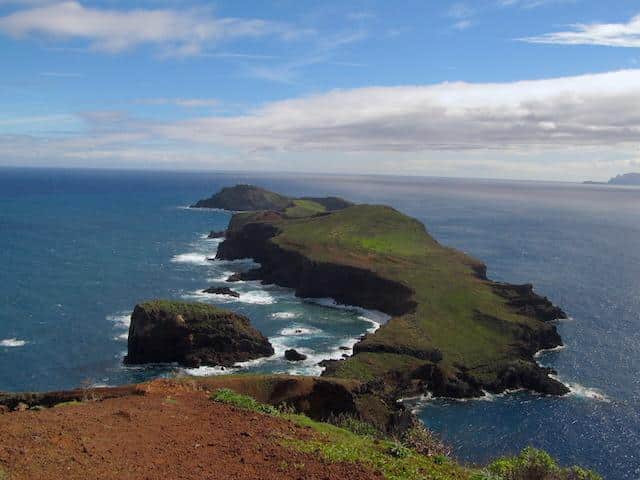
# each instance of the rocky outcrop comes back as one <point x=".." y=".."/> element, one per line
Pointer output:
<point x="192" y="334"/>
<point x="222" y="291"/>
<point x="213" y="234"/>
<point x="293" y="355"/>
<point x="526" y="302"/>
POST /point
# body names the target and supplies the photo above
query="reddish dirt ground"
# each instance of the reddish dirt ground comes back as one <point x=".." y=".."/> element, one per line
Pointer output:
<point x="170" y="433"/>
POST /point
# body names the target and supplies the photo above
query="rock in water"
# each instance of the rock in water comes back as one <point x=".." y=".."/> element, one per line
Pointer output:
<point x="294" y="356"/>
<point x="192" y="334"/>
<point x="222" y="291"/>
<point x="214" y="234"/>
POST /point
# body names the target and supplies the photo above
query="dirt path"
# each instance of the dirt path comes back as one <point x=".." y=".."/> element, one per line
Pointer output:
<point x="170" y="433"/>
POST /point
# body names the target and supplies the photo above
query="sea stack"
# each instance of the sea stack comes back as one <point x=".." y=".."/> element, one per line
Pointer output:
<point x="192" y="334"/>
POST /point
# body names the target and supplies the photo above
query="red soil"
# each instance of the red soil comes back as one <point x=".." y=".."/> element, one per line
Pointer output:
<point x="172" y="432"/>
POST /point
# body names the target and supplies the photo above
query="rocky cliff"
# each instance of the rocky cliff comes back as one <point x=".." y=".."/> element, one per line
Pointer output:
<point x="192" y="334"/>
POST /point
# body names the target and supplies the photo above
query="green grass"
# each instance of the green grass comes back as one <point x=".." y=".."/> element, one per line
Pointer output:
<point x="419" y="456"/>
<point x="336" y="444"/>
<point x="304" y="208"/>
<point x="200" y="317"/>
<point x="447" y="290"/>
<point x="229" y="397"/>
<point x="4" y="475"/>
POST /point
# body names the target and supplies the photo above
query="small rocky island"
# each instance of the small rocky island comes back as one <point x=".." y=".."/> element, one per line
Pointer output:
<point x="192" y="334"/>
<point x="629" y="179"/>
<point x="453" y="332"/>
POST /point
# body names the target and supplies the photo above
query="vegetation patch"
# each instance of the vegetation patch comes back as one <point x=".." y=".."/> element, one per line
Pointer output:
<point x="4" y="475"/>
<point x="533" y="464"/>
<point x="229" y="397"/>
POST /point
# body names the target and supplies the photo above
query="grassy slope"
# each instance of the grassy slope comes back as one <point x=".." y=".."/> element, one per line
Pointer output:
<point x="396" y="459"/>
<point x="447" y="291"/>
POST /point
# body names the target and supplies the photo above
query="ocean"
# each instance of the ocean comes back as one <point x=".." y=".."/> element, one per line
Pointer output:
<point x="79" y="248"/>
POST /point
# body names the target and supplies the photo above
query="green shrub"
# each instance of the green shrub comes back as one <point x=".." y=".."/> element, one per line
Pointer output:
<point x="228" y="396"/>
<point x="3" y="474"/>
<point x="424" y="441"/>
<point x="533" y="464"/>
<point x="355" y="425"/>
<point x="398" y="450"/>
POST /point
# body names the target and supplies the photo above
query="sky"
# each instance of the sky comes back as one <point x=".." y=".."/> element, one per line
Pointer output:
<point x="521" y="89"/>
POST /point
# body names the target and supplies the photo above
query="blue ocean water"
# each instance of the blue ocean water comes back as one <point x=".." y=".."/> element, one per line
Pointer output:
<point x="78" y="249"/>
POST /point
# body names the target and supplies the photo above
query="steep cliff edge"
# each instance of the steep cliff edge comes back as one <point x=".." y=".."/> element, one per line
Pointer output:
<point x="192" y="334"/>
<point x="453" y="331"/>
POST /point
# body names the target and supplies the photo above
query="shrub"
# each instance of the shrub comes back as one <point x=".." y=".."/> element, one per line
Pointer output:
<point x="398" y="450"/>
<point x="354" y="425"/>
<point x="533" y="464"/>
<point x="424" y="441"/>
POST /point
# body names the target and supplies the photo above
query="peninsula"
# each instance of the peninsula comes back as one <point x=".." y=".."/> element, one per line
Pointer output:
<point x="453" y="332"/>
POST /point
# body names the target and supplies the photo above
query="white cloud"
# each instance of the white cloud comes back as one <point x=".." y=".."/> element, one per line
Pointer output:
<point x="176" y="32"/>
<point x="574" y="127"/>
<point x="605" y="34"/>
<point x="599" y="109"/>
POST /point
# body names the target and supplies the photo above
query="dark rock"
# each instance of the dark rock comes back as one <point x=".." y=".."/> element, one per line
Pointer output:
<point x="222" y="291"/>
<point x="530" y="376"/>
<point x="294" y="356"/>
<point x="192" y="334"/>
<point x="236" y="277"/>
<point x="344" y="348"/>
<point x="525" y="301"/>
<point x="214" y="234"/>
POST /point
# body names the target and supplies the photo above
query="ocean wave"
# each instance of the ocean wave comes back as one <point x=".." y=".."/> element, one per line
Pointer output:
<point x="300" y="330"/>
<point x="206" y="371"/>
<point x="222" y="277"/>
<point x="12" y="343"/>
<point x="580" y="391"/>
<point x="375" y="317"/>
<point x="542" y="352"/>
<point x="122" y="319"/>
<point x="256" y="297"/>
<point x="193" y="258"/>
<point x="285" y="315"/>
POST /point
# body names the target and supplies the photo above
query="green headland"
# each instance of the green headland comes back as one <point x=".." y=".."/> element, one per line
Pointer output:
<point x="453" y="332"/>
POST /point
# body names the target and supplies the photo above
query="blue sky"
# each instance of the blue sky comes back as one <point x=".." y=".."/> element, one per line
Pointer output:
<point x="540" y="89"/>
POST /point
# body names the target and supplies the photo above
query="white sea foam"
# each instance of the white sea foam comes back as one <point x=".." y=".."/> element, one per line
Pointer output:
<point x="12" y="343"/>
<point x="205" y="371"/>
<point x="540" y="353"/>
<point x="258" y="297"/>
<point x="580" y="391"/>
<point x="375" y="317"/>
<point x="122" y="319"/>
<point x="300" y="330"/>
<point x="222" y="277"/>
<point x="284" y="315"/>
<point x="193" y="258"/>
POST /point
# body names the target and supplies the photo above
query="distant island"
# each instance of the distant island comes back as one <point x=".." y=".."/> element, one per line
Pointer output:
<point x="453" y="332"/>
<point x="624" y="179"/>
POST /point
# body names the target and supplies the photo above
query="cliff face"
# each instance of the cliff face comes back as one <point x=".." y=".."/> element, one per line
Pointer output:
<point x="346" y="285"/>
<point x="192" y="335"/>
